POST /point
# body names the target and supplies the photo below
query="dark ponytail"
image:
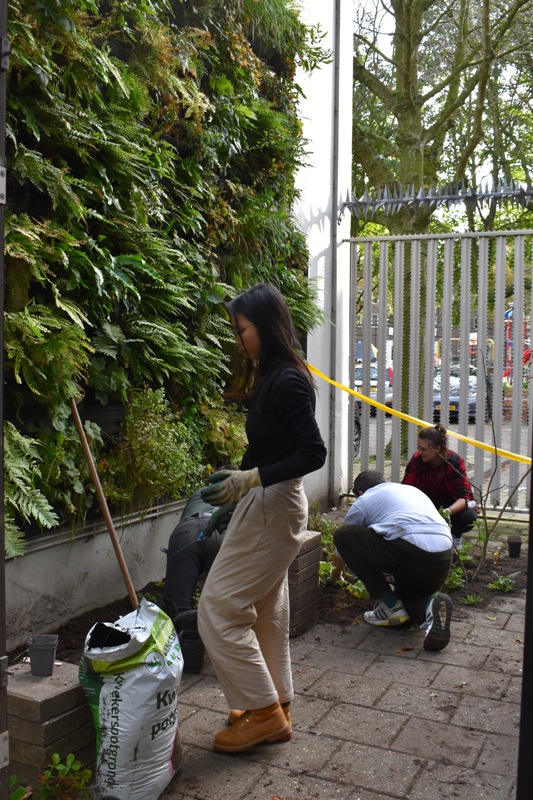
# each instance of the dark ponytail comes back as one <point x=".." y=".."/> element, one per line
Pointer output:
<point x="437" y="438"/>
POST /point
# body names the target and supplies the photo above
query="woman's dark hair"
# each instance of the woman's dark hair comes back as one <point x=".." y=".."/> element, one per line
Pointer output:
<point x="266" y="308"/>
<point x="436" y="436"/>
<point x="367" y="480"/>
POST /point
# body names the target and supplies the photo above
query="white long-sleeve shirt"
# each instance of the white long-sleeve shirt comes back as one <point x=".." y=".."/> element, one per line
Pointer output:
<point x="395" y="510"/>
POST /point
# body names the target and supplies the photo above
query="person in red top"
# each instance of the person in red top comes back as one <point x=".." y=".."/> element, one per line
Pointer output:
<point x="441" y="474"/>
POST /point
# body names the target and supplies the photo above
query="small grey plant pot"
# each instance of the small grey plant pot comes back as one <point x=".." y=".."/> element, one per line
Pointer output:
<point x="42" y="651"/>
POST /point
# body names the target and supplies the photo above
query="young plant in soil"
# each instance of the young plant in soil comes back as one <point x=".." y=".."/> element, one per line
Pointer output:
<point x="68" y="780"/>
<point x="354" y="588"/>
<point x="503" y="583"/>
<point x="472" y="600"/>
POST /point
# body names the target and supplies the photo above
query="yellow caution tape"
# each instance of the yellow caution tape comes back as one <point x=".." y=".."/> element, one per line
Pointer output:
<point x="420" y="422"/>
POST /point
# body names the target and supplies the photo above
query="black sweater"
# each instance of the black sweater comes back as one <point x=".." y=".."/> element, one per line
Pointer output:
<point x="284" y="441"/>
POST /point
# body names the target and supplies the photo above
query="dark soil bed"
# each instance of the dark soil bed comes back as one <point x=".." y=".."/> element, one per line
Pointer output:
<point x="337" y="606"/>
<point x="72" y="634"/>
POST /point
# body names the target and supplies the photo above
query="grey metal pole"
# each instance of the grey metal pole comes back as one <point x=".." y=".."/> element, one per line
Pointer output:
<point x="4" y="740"/>
<point x="333" y="499"/>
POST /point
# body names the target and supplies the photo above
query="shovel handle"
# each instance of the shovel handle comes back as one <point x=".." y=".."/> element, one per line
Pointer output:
<point x="103" y="505"/>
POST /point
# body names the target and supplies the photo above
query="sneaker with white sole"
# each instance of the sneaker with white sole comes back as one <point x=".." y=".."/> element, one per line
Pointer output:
<point x="457" y="542"/>
<point x="437" y="622"/>
<point x="384" y="616"/>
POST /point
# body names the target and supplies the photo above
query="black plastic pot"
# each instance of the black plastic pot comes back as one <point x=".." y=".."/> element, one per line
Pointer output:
<point x="42" y="651"/>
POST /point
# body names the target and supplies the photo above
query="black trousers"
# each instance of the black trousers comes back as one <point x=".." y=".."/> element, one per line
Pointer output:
<point x="463" y="521"/>
<point x="187" y="559"/>
<point x="416" y="573"/>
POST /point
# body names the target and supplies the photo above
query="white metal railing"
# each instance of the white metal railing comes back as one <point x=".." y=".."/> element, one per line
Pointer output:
<point x="446" y="300"/>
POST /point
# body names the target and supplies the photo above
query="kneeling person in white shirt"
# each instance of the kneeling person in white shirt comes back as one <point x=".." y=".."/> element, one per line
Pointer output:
<point x="393" y="531"/>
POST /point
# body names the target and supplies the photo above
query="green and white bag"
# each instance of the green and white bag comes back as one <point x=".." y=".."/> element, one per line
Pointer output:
<point x="130" y="672"/>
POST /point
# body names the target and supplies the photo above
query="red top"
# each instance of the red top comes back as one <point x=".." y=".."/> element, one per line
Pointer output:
<point x="445" y="489"/>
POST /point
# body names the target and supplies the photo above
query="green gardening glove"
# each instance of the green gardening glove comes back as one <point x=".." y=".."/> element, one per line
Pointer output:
<point x="219" y="519"/>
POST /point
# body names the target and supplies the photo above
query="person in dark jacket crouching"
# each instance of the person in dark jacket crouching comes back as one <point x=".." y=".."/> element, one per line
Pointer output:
<point x="192" y="548"/>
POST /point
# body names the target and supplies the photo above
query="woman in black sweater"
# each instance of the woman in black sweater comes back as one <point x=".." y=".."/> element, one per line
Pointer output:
<point x="243" y="614"/>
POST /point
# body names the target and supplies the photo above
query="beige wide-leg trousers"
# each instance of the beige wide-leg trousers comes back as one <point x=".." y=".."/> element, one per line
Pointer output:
<point x="243" y="614"/>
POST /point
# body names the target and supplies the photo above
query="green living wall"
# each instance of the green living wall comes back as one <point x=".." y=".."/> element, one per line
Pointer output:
<point x="152" y="148"/>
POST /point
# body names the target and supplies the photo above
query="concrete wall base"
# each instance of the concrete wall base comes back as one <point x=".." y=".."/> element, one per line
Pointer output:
<point x="65" y="574"/>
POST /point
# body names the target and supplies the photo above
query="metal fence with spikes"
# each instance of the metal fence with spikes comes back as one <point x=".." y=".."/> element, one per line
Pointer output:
<point x="392" y="199"/>
<point x="458" y="302"/>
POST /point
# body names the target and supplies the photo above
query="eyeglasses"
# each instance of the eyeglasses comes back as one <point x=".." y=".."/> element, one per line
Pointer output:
<point x="239" y="332"/>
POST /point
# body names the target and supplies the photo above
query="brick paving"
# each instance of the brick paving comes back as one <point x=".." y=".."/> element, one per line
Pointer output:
<point x="375" y="717"/>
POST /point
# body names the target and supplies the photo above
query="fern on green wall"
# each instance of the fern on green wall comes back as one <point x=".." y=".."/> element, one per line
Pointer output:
<point x="152" y="149"/>
<point x="23" y="500"/>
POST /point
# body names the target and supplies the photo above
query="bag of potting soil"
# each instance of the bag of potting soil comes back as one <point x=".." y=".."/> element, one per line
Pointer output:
<point x="130" y="672"/>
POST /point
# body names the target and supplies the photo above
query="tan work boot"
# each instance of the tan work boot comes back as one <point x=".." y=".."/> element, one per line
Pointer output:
<point x="254" y="727"/>
<point x="235" y="714"/>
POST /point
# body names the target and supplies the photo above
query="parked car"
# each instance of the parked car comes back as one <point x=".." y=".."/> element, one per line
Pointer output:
<point x="454" y="393"/>
<point x="358" y="382"/>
